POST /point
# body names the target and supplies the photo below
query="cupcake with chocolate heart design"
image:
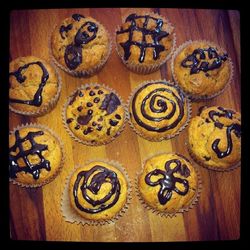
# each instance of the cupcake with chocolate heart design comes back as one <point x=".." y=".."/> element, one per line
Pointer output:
<point x="80" y="45"/>
<point x="94" y="114"/>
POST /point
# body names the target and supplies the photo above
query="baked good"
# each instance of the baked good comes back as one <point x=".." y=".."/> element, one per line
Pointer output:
<point x="158" y="110"/>
<point x="97" y="191"/>
<point x="169" y="183"/>
<point x="80" y="45"/>
<point x="145" y="41"/>
<point x="214" y="138"/>
<point x="201" y="68"/>
<point x="95" y="114"/>
<point x="35" y="156"/>
<point x="33" y="85"/>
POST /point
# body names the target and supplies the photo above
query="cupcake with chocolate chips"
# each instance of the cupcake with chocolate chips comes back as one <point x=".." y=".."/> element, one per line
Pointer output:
<point x="94" y="115"/>
<point x="145" y="42"/>
<point x="202" y="69"/>
<point x="80" y="45"/>
<point x="214" y="138"/>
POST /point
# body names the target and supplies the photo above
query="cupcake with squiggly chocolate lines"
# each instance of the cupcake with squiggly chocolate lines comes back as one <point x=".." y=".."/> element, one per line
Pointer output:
<point x="158" y="110"/>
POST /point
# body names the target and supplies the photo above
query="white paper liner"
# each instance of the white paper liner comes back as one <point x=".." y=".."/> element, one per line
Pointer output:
<point x="194" y="201"/>
<point x="89" y="143"/>
<point x="82" y="73"/>
<point x="166" y="137"/>
<point x="71" y="216"/>
<point x="46" y="108"/>
<point x="61" y="144"/>
<point x="147" y="69"/>
<point x="194" y="97"/>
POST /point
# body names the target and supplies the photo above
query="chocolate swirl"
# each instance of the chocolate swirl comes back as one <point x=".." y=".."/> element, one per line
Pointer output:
<point x="92" y="181"/>
<point x="156" y="35"/>
<point x="37" y="100"/>
<point x="159" y="104"/>
<point x="168" y="181"/>
<point x="36" y="149"/>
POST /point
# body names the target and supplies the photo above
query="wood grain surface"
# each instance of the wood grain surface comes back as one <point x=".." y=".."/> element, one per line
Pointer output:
<point x="35" y="213"/>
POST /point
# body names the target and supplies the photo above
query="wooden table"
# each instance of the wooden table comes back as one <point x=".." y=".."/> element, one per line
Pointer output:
<point x="35" y="213"/>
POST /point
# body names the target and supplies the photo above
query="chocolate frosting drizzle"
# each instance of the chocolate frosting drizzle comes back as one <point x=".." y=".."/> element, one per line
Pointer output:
<point x="160" y="106"/>
<point x="92" y="181"/>
<point x="234" y="127"/>
<point x="37" y="100"/>
<point x="73" y="52"/>
<point x="36" y="149"/>
<point x="168" y="181"/>
<point x="197" y="60"/>
<point x="157" y="34"/>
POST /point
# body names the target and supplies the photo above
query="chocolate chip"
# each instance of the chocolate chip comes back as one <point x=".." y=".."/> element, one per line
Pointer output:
<point x="207" y="120"/>
<point x="100" y="92"/>
<point x="96" y="87"/>
<point x="110" y="103"/>
<point x="79" y="108"/>
<point x="69" y="120"/>
<point x="118" y="117"/>
<point x="96" y="100"/>
<point x="84" y="119"/>
<point x="99" y="127"/>
<point x="113" y="122"/>
<point x="91" y="93"/>
<point x="206" y="158"/>
<point x="88" y="130"/>
<point x="89" y="104"/>
<point x="80" y="94"/>
<point x="90" y="112"/>
<point x="100" y="119"/>
<point x="88" y="88"/>
<point x="108" y="131"/>
<point x="77" y="127"/>
<point x="94" y="123"/>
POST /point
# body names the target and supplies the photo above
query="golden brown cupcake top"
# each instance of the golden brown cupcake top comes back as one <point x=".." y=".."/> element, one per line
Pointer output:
<point x="32" y="84"/>
<point x="79" y="43"/>
<point x="215" y="137"/>
<point x="145" y="39"/>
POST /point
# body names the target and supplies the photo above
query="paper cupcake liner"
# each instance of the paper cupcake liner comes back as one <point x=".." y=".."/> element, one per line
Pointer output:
<point x="70" y="215"/>
<point x="61" y="144"/>
<point x="194" y="97"/>
<point x="46" y="108"/>
<point x="233" y="167"/>
<point x="82" y="73"/>
<point x="147" y="69"/>
<point x="166" y="214"/>
<point x="166" y="137"/>
<point x="88" y="143"/>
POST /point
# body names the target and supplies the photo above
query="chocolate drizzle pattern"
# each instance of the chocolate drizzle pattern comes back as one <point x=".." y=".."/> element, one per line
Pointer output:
<point x="92" y="181"/>
<point x="156" y="35"/>
<point x="36" y="149"/>
<point x="158" y="104"/>
<point x="37" y="99"/>
<point x="168" y="181"/>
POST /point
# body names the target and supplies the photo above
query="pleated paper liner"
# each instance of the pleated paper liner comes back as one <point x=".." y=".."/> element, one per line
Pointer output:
<point x="96" y="143"/>
<point x="51" y="132"/>
<point x="203" y="164"/>
<point x="46" y="108"/>
<point x="166" y="137"/>
<point x="71" y="216"/>
<point x="83" y="73"/>
<point x="166" y="214"/>
<point x="194" y="97"/>
<point x="147" y="69"/>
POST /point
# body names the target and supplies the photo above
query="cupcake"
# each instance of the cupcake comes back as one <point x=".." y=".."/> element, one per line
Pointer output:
<point x="94" y="114"/>
<point x="158" y="110"/>
<point x="35" y="156"/>
<point x="80" y="45"/>
<point x="169" y="184"/>
<point x="34" y="86"/>
<point x="145" y="42"/>
<point x="97" y="192"/>
<point x="202" y="69"/>
<point x="214" y="138"/>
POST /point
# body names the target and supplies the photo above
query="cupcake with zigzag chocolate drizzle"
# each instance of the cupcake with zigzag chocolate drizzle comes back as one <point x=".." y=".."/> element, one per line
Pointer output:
<point x="80" y="45"/>
<point x="158" y="110"/>
<point x="214" y="138"/>
<point x="202" y="69"/>
<point x="145" y="42"/>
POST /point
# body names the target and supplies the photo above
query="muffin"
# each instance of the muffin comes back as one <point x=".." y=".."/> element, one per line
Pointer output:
<point x="202" y="69"/>
<point x="169" y="183"/>
<point x="80" y="45"/>
<point x="94" y="115"/>
<point x="35" y="156"/>
<point x="97" y="191"/>
<point x="214" y="138"/>
<point x="158" y="110"/>
<point x="145" y="42"/>
<point x="34" y="86"/>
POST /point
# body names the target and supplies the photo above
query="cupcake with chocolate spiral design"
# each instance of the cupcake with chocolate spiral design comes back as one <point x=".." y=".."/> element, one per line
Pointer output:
<point x="158" y="110"/>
